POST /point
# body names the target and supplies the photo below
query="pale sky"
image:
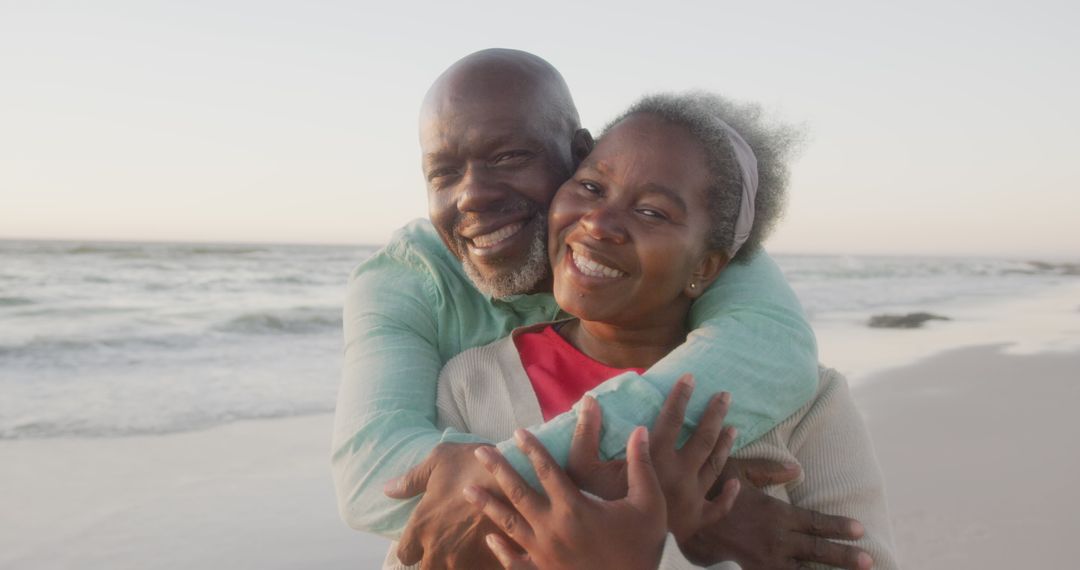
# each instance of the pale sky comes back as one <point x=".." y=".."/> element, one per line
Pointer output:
<point x="936" y="127"/>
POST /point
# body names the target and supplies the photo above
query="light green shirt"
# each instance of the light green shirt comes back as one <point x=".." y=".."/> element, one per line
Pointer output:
<point x="410" y="308"/>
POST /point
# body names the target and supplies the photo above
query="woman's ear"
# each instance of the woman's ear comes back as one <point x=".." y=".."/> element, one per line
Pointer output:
<point x="581" y="146"/>
<point x="708" y="269"/>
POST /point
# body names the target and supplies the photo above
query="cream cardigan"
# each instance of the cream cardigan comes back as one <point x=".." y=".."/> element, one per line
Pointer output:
<point x="486" y="391"/>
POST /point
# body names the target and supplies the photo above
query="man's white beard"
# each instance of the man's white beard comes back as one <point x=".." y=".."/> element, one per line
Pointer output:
<point x="519" y="280"/>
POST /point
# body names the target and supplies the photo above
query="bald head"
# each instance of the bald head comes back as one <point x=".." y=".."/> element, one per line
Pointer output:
<point x="497" y="76"/>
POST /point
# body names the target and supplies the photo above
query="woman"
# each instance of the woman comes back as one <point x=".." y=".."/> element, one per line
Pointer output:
<point x="672" y="193"/>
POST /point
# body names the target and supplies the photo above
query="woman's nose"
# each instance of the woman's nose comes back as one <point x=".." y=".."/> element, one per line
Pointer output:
<point x="602" y="223"/>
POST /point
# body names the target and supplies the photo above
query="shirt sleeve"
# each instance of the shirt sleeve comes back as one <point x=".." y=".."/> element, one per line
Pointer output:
<point x="750" y="337"/>
<point x="840" y="470"/>
<point x="385" y="417"/>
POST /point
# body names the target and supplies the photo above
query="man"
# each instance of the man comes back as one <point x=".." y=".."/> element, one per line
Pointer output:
<point x="499" y="134"/>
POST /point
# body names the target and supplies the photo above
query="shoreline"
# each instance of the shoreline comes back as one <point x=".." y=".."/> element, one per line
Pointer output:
<point x="1048" y="322"/>
<point x="969" y="420"/>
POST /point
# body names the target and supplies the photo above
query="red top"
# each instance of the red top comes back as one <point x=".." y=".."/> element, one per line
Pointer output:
<point x="560" y="374"/>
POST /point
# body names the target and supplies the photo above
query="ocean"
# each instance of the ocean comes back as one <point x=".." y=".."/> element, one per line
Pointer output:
<point x="103" y="339"/>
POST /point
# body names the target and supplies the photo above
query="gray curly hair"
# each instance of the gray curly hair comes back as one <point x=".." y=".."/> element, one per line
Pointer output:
<point x="773" y="145"/>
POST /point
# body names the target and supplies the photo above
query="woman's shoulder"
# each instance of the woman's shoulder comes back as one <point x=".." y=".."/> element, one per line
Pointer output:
<point x="478" y="360"/>
<point x="496" y="358"/>
<point x="832" y="387"/>
<point x="776" y="444"/>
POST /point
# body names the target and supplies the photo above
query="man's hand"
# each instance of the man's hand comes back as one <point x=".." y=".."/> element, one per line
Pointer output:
<point x="761" y="473"/>
<point x="763" y="533"/>
<point x="605" y="479"/>
<point x="445" y="531"/>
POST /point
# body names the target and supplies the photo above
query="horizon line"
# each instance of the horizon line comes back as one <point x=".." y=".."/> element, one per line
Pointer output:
<point x="773" y="252"/>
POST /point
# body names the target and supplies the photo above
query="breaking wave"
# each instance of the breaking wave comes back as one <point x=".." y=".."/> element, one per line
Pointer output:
<point x="295" y="321"/>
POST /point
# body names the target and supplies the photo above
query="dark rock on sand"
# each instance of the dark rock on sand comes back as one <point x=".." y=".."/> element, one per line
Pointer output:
<point x="908" y="321"/>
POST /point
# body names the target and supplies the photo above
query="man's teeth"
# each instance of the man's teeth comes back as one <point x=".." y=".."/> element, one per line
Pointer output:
<point x="592" y="268"/>
<point x="488" y="240"/>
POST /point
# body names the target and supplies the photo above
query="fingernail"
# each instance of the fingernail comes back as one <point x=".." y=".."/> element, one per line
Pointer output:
<point x="865" y="561"/>
<point x="734" y="433"/>
<point x="644" y="435"/>
<point x="471" y="493"/>
<point x="857" y="528"/>
<point x="392" y="486"/>
<point x="725" y="397"/>
<point x="490" y="540"/>
<point x="791" y="466"/>
<point x="587" y="404"/>
<point x="684" y="387"/>
<point x="519" y="436"/>
<point x="483" y="453"/>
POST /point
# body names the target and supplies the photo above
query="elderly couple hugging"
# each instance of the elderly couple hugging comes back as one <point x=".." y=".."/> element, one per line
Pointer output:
<point x="584" y="291"/>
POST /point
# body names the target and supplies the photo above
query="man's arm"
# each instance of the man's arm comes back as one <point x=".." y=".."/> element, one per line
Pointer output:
<point x="750" y="337"/>
<point x="385" y="417"/>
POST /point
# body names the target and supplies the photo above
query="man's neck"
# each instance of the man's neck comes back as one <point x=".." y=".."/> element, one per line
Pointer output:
<point x="547" y="285"/>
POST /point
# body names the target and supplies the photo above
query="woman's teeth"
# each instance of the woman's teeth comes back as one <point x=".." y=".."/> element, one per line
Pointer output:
<point x="488" y="240"/>
<point x="592" y="268"/>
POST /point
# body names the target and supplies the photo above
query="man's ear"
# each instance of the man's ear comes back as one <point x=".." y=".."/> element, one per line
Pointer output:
<point x="707" y="271"/>
<point x="581" y="146"/>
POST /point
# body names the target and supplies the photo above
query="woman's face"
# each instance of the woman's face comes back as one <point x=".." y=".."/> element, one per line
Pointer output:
<point x="627" y="233"/>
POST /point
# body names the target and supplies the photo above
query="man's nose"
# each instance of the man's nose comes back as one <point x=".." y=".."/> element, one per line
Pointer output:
<point x="478" y="191"/>
<point x="604" y="223"/>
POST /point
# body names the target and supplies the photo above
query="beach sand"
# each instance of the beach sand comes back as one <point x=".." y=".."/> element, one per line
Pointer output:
<point x="980" y="457"/>
<point x="976" y="445"/>
<point x="252" y="494"/>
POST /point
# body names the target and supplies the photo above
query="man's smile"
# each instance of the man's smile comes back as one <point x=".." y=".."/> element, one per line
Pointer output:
<point x="491" y="239"/>
<point x="494" y="240"/>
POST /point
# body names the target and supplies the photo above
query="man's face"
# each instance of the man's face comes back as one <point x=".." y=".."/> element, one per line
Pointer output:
<point x="492" y="165"/>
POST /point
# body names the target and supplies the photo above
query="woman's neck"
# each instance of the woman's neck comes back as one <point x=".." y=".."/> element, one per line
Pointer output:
<point x="624" y="347"/>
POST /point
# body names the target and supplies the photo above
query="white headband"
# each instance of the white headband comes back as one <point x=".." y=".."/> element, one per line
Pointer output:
<point x="744" y="156"/>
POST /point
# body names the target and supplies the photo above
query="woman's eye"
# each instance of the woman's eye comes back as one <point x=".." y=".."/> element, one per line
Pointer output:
<point x="650" y="213"/>
<point x="590" y="187"/>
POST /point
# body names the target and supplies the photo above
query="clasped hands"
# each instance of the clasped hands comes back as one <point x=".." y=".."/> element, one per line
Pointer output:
<point x="476" y="507"/>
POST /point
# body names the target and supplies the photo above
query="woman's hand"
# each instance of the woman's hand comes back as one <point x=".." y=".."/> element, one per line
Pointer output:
<point x="567" y="530"/>
<point x="686" y="475"/>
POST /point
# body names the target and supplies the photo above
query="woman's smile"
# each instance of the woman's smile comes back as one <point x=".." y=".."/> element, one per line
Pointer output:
<point x="590" y="264"/>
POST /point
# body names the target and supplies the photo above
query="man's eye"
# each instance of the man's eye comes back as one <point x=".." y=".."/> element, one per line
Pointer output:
<point x="440" y="173"/>
<point x="505" y="157"/>
<point x="590" y="187"/>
